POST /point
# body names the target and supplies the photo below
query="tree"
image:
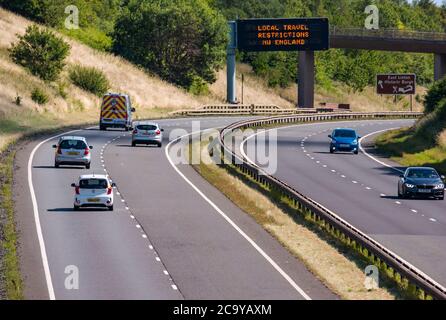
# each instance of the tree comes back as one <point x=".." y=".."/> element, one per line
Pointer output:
<point x="435" y="94"/>
<point x="180" y="40"/>
<point x="41" y="52"/>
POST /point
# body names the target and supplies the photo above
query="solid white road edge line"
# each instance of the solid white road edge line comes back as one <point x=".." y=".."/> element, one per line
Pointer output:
<point x="46" y="266"/>
<point x="232" y="223"/>
<point x="334" y="214"/>
<point x="372" y="157"/>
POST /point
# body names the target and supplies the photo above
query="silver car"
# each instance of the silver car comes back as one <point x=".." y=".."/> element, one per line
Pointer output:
<point x="145" y="132"/>
<point x="71" y="150"/>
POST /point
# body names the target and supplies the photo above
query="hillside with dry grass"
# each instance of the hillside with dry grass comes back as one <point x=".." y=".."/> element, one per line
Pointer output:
<point x="152" y="97"/>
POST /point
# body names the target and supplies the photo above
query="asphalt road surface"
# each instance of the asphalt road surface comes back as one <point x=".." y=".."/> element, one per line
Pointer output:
<point x="364" y="192"/>
<point x="164" y="240"/>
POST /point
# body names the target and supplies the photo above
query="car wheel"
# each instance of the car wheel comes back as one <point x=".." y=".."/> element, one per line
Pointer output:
<point x="87" y="166"/>
<point x="133" y="144"/>
<point x="76" y="208"/>
<point x="441" y="198"/>
<point x="160" y="145"/>
<point x="102" y="128"/>
<point x="331" y="150"/>
<point x="56" y="165"/>
<point x="356" y="152"/>
<point x="110" y="208"/>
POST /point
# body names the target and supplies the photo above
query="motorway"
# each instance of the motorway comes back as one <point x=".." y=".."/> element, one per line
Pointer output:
<point x="362" y="189"/>
<point x="171" y="235"/>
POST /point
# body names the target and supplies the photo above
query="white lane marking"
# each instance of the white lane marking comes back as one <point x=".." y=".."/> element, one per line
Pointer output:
<point x="342" y="176"/>
<point x="353" y="227"/>
<point x="382" y="195"/>
<point x="368" y="188"/>
<point x="144" y="236"/>
<point x="166" y="272"/>
<point x="355" y="182"/>
<point x="397" y="202"/>
<point x="174" y="287"/>
<point x="46" y="266"/>
<point x="433" y="220"/>
<point x="333" y="170"/>
<point x="414" y="211"/>
<point x="324" y="165"/>
<point x="233" y="224"/>
<point x="372" y="157"/>
<point x="157" y="259"/>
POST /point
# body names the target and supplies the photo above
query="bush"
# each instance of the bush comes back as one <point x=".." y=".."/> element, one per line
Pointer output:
<point x="41" y="52"/>
<point x="435" y="94"/>
<point x="39" y="96"/>
<point x="90" y="79"/>
<point x="178" y="40"/>
<point x="198" y="87"/>
<point x="92" y="37"/>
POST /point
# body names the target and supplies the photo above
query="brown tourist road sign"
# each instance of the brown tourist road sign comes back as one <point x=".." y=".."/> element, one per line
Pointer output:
<point x="395" y="84"/>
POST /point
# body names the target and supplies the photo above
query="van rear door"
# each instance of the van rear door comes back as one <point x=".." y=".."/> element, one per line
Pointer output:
<point x="114" y="109"/>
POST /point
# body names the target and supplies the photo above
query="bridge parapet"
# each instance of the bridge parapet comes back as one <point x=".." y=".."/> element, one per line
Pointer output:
<point x="390" y="34"/>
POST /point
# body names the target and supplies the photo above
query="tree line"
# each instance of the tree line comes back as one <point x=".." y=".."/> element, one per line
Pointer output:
<point x="184" y="41"/>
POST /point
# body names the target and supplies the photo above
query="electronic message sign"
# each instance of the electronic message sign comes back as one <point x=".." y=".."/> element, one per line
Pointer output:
<point x="295" y="34"/>
<point x="395" y="84"/>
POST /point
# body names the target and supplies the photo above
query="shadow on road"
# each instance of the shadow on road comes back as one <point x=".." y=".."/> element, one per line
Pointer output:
<point x="60" y="168"/>
<point x="137" y="146"/>
<point x="80" y="210"/>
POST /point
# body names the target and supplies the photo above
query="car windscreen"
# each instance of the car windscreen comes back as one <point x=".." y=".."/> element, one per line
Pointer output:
<point x="344" y="134"/>
<point x="93" y="184"/>
<point x="422" y="174"/>
<point x="73" y="144"/>
<point x="148" y="127"/>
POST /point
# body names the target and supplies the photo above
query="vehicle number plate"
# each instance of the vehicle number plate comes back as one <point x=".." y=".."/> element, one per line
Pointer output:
<point x="93" y="200"/>
<point x="345" y="145"/>
<point x="73" y="153"/>
<point x="424" y="190"/>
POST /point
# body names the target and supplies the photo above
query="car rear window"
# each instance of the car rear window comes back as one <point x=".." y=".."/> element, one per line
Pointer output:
<point x="147" y="127"/>
<point x="73" y="144"/>
<point x="422" y="173"/>
<point x="344" y="134"/>
<point x="93" y="184"/>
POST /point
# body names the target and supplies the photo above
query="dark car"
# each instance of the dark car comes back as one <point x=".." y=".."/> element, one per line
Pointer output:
<point x="421" y="181"/>
<point x="344" y="140"/>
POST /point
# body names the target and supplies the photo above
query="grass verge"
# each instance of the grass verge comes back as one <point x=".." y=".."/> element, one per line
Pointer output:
<point x="407" y="148"/>
<point x="335" y="264"/>
<point x="11" y="285"/>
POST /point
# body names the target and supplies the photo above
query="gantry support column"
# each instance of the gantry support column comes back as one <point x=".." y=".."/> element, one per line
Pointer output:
<point x="439" y="66"/>
<point x="306" y="80"/>
<point x="230" y="64"/>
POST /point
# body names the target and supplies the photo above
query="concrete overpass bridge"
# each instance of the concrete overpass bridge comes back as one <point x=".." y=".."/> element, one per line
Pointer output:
<point x="382" y="39"/>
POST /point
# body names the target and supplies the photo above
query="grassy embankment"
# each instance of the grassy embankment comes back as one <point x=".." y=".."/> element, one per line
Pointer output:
<point x="329" y="260"/>
<point x="423" y="144"/>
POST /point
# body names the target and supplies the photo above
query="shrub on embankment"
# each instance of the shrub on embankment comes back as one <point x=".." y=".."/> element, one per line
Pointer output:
<point x="423" y="144"/>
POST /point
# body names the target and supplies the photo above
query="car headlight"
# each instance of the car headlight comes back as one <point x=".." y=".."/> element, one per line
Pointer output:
<point x="410" y="185"/>
<point x="439" y="186"/>
<point x="355" y="142"/>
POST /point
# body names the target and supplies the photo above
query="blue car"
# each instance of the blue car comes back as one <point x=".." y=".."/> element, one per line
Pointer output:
<point x="344" y="140"/>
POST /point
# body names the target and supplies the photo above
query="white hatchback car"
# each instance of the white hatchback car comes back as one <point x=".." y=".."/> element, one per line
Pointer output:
<point x="93" y="191"/>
